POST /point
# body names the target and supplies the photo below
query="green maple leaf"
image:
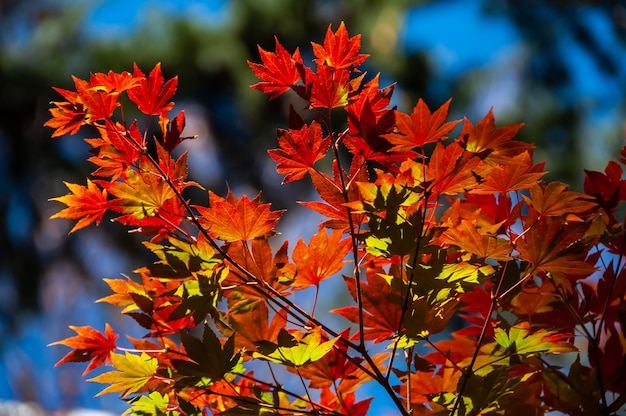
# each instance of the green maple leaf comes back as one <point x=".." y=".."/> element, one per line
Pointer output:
<point x="153" y="404"/>
<point x="133" y="372"/>
<point x="520" y="341"/>
<point x="295" y="353"/>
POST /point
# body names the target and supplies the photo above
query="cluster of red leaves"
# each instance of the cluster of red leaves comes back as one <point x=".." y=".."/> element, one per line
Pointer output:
<point x="435" y="225"/>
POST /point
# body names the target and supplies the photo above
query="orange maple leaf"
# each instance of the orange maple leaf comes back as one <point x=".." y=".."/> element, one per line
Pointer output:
<point x="86" y="204"/>
<point x="555" y="200"/>
<point x="321" y="259"/>
<point x="67" y="116"/>
<point x="233" y="219"/>
<point x="485" y="136"/>
<point x="89" y="345"/>
<point x="420" y="127"/>
<point x="381" y="304"/>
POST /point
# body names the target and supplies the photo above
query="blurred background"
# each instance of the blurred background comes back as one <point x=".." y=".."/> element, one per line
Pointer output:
<point x="557" y="65"/>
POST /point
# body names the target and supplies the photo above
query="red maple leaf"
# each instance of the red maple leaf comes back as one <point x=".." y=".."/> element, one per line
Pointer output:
<point x="608" y="188"/>
<point x="330" y="88"/>
<point x="89" y="345"/>
<point x="278" y="72"/>
<point x="299" y="150"/>
<point x="151" y="95"/>
<point x="339" y="50"/>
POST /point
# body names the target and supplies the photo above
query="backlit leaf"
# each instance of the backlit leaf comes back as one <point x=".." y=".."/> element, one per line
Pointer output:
<point x="151" y="94"/>
<point x="420" y="127"/>
<point x="233" y="219"/>
<point x="89" y="345"/>
<point x="278" y="72"/>
<point x="308" y="349"/>
<point x="132" y="373"/>
<point x="299" y="150"/>
<point x="86" y="204"/>
<point x="339" y="51"/>
<point x="322" y="258"/>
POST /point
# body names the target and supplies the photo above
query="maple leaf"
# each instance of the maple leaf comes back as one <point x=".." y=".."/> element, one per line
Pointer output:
<point x="89" y="345"/>
<point x="368" y="129"/>
<point x="122" y="288"/>
<point x="421" y="127"/>
<point x="294" y="352"/>
<point x="534" y="298"/>
<point x="608" y="188"/>
<point x="555" y="200"/>
<point x="331" y="368"/>
<point x="86" y="204"/>
<point x="98" y="102"/>
<point x="321" y="259"/>
<point x="339" y="50"/>
<point x="518" y="174"/>
<point x="67" y="116"/>
<point x="153" y="404"/>
<point x="207" y="357"/>
<point x="117" y="149"/>
<point x="485" y="136"/>
<point x="330" y="191"/>
<point x="549" y="246"/>
<point x="427" y="384"/>
<point x="233" y="219"/>
<point x="330" y="88"/>
<point x="278" y="72"/>
<point x="299" y="150"/>
<point x="253" y="325"/>
<point x="113" y="81"/>
<point x="151" y="94"/>
<point x="139" y="196"/>
<point x="275" y="271"/>
<point x="133" y="373"/>
<point x="477" y="241"/>
<point x="381" y="306"/>
<point x="449" y="170"/>
<point x="345" y="404"/>
<point x="172" y="130"/>
<point x="520" y="341"/>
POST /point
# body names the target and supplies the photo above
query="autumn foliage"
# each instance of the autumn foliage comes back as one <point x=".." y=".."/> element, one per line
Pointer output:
<point x="471" y="284"/>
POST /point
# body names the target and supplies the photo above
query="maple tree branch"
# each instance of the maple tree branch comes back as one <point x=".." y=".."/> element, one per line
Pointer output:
<point x="609" y="295"/>
<point x="469" y="371"/>
<point x="355" y="246"/>
<point x="405" y="301"/>
<point x="408" y="354"/>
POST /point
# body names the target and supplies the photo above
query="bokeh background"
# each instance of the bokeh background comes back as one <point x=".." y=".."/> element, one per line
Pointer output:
<point x="557" y="65"/>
